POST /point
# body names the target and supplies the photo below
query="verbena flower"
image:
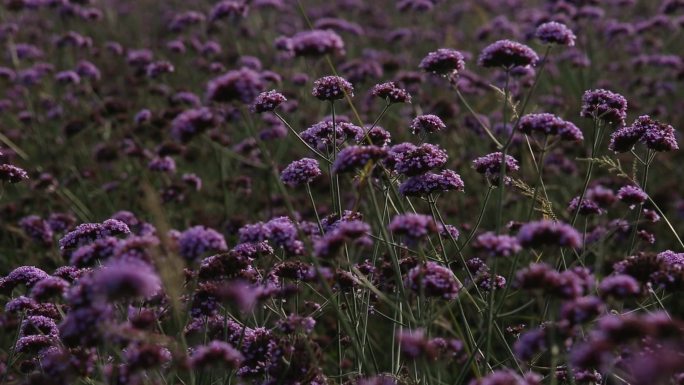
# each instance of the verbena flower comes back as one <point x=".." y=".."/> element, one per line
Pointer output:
<point x="242" y="85"/>
<point x="314" y="43"/>
<point x="549" y="124"/>
<point x="300" y="172"/>
<point x="427" y="124"/>
<point x="549" y="233"/>
<point x="268" y="101"/>
<point x="430" y="183"/>
<point x="490" y="166"/>
<point x="433" y="280"/>
<point x="416" y="160"/>
<point x="604" y="105"/>
<point x="391" y="93"/>
<point x="555" y="33"/>
<point x="632" y="195"/>
<point x="413" y="226"/>
<point x="126" y="280"/>
<point x="498" y="245"/>
<point x="355" y="157"/>
<point x="198" y="241"/>
<point x="12" y="174"/>
<point x="443" y="61"/>
<point x="332" y="88"/>
<point x="216" y="353"/>
<point x="507" y="54"/>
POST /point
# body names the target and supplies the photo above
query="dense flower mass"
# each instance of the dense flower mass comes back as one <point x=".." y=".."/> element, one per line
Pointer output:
<point x="271" y="192"/>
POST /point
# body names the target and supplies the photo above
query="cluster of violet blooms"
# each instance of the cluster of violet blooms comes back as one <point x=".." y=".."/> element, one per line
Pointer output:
<point x="362" y="271"/>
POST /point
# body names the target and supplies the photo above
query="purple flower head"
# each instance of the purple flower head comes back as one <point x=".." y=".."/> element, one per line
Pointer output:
<point x="490" y="166"/>
<point x="377" y="136"/>
<point x="427" y="124"/>
<point x="391" y="93"/>
<point x="498" y="245"/>
<point x="190" y="123"/>
<point x="126" y="280"/>
<point x="99" y="250"/>
<point x="581" y="310"/>
<point x="355" y="157"/>
<point x="443" y="61"/>
<point x="268" y="101"/>
<point x="658" y="136"/>
<point x="49" y="287"/>
<point x="604" y="105"/>
<point x="216" y="353"/>
<point x="24" y="275"/>
<point x="242" y="85"/>
<point x="37" y="229"/>
<point x="530" y="344"/>
<point x="345" y="231"/>
<point x="228" y="9"/>
<point x="67" y="77"/>
<point x="300" y="172"/>
<point x="430" y="183"/>
<point x="314" y="43"/>
<point x="549" y="124"/>
<point x="507" y="54"/>
<point x="587" y="207"/>
<point x="159" y="68"/>
<point x="624" y="138"/>
<point x="332" y="88"/>
<point x="413" y="226"/>
<point x="508" y="377"/>
<point x="12" y="174"/>
<point x="549" y="233"/>
<point x="162" y="164"/>
<point x="555" y="33"/>
<point x="433" y="280"/>
<point x="321" y="134"/>
<point x="197" y="241"/>
<point x="632" y="195"/>
<point x="35" y="343"/>
<point x="90" y="232"/>
<point x="619" y="286"/>
<point x="282" y="232"/>
<point x="415" y="160"/>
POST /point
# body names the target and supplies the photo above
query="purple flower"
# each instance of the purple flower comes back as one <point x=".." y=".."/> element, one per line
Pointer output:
<point x="490" y="166"/>
<point x="354" y="157"/>
<point x="498" y="245"/>
<point x="415" y="160"/>
<point x="197" y="241"/>
<point x="190" y="123"/>
<point x="49" y="287"/>
<point x="126" y="280"/>
<point x="391" y="93"/>
<point x="604" y="105"/>
<point x="24" y="275"/>
<point x="12" y="174"/>
<point x="162" y="164"/>
<point x="345" y="231"/>
<point x="624" y="138"/>
<point x="530" y="344"/>
<point x="555" y="33"/>
<point x="632" y="195"/>
<point x="413" y="226"/>
<point x="268" y="101"/>
<point x="427" y="124"/>
<point x="89" y="232"/>
<point x="508" y="377"/>
<point x="619" y="286"/>
<point x="658" y="136"/>
<point x="430" y="183"/>
<point x="228" y="9"/>
<point x="587" y="207"/>
<point x="314" y="43"/>
<point x="549" y="233"/>
<point x="300" y="172"/>
<point x="433" y="280"/>
<point x="443" y="61"/>
<point x="242" y="85"/>
<point x="332" y="88"/>
<point x="377" y="136"/>
<point x="321" y="135"/>
<point x="37" y="229"/>
<point x="549" y="124"/>
<point x="507" y="54"/>
<point x="216" y="353"/>
<point x="38" y="325"/>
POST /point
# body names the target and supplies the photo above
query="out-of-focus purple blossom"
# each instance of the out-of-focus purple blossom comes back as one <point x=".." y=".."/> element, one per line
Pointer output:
<point x="24" y="275"/>
<point x="313" y="43"/>
<point x="549" y="233"/>
<point x="162" y="164"/>
<point x="413" y="226"/>
<point x="228" y="9"/>
<point x="549" y="124"/>
<point x="430" y="183"/>
<point x="433" y="280"/>
<point x="242" y="85"/>
<point x="12" y="174"/>
<point x="355" y="157"/>
<point x="37" y="229"/>
<point x="192" y="122"/>
<point x="498" y="245"/>
<point x="632" y="195"/>
<point x="216" y="353"/>
<point x="619" y="286"/>
<point x="126" y="280"/>
<point x="197" y="241"/>
<point x="555" y="33"/>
